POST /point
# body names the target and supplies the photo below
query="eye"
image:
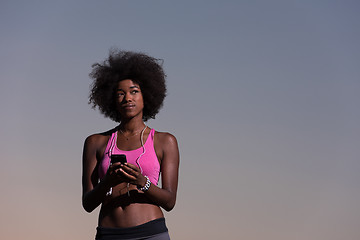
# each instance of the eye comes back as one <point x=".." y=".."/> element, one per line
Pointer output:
<point x="134" y="91"/>
<point x="120" y="94"/>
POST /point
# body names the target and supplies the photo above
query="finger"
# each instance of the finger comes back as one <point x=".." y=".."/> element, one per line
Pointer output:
<point x="129" y="170"/>
<point x="132" y="166"/>
<point x="115" y="165"/>
<point x="126" y="174"/>
<point x="136" y="173"/>
<point x="117" y="171"/>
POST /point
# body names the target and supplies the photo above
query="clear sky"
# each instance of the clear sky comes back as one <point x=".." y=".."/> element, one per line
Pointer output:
<point x="263" y="97"/>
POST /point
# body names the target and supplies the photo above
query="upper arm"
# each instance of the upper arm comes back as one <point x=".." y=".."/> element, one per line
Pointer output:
<point x="89" y="164"/>
<point x="169" y="162"/>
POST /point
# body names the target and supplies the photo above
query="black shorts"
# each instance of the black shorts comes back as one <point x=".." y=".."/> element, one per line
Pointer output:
<point x="153" y="230"/>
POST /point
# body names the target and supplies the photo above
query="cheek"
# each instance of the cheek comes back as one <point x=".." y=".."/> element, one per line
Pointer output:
<point x="141" y="99"/>
<point x="118" y="101"/>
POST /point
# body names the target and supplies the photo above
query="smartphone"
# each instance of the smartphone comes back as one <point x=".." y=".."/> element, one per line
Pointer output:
<point x="121" y="158"/>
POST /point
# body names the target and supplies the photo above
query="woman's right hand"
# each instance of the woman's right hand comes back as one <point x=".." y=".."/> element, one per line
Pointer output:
<point x="113" y="175"/>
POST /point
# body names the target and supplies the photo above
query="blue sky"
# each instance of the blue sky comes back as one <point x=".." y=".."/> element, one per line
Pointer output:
<point x="262" y="97"/>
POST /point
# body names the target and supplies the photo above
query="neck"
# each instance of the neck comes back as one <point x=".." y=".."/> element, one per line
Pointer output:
<point x="132" y="126"/>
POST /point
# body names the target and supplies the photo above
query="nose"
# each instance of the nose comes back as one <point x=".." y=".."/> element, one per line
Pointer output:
<point x="128" y="97"/>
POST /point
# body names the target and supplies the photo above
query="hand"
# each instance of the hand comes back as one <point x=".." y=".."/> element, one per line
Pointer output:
<point x="113" y="175"/>
<point x="132" y="174"/>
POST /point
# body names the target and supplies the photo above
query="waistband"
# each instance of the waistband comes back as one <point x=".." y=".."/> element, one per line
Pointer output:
<point x="144" y="230"/>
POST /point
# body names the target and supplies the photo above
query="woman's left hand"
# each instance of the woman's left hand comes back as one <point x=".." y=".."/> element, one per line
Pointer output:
<point x="132" y="174"/>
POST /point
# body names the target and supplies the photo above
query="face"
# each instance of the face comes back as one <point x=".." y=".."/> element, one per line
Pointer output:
<point x="130" y="101"/>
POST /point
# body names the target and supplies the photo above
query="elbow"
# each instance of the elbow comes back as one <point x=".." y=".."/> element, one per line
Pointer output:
<point x="169" y="206"/>
<point x="87" y="207"/>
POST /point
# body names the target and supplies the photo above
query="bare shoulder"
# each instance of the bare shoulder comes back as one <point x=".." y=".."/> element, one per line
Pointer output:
<point x="97" y="142"/>
<point x="165" y="145"/>
<point x="167" y="149"/>
<point x="165" y="138"/>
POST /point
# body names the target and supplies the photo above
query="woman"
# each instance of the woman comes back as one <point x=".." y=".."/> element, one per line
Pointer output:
<point x="129" y="88"/>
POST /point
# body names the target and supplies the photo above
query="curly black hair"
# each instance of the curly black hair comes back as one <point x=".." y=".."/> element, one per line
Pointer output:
<point x="120" y="65"/>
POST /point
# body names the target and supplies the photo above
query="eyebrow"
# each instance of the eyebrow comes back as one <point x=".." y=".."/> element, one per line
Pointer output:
<point x="132" y="87"/>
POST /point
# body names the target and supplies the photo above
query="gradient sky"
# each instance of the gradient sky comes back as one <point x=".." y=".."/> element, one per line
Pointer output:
<point x="263" y="97"/>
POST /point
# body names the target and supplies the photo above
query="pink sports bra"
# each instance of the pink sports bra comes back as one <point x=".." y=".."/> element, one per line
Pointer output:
<point x="144" y="157"/>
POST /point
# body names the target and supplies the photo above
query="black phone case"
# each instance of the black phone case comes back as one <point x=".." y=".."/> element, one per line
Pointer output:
<point x="118" y="158"/>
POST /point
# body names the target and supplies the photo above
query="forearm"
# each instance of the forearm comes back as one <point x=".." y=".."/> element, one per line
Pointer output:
<point x="161" y="197"/>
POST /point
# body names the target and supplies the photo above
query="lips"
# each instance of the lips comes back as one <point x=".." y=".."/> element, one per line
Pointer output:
<point x="128" y="106"/>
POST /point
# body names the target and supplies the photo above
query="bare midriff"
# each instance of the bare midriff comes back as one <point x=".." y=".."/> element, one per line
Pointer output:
<point x="127" y="208"/>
